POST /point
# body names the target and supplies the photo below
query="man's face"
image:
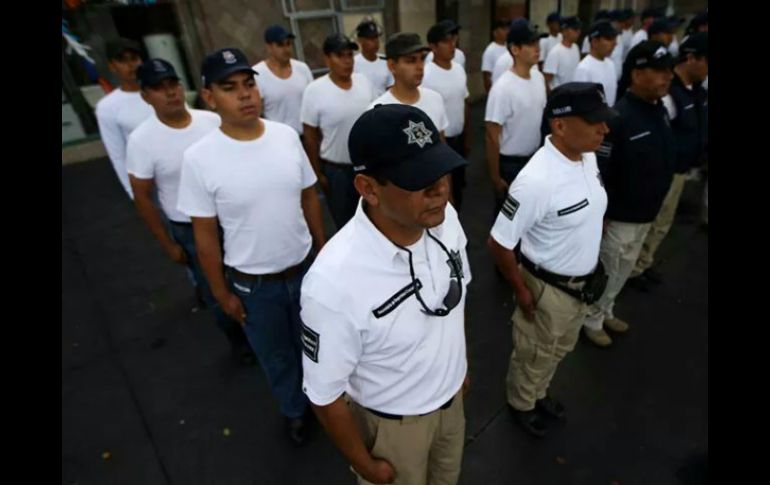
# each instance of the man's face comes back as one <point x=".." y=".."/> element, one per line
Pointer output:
<point x="698" y="67"/>
<point x="500" y="34"/>
<point x="422" y="209"/>
<point x="444" y="50"/>
<point x="553" y="28"/>
<point x="369" y="45"/>
<point x="652" y="83"/>
<point x="280" y="51"/>
<point x="571" y="35"/>
<point x="578" y="134"/>
<point x="663" y="37"/>
<point x="236" y="98"/>
<point x="166" y="98"/>
<point x="340" y="63"/>
<point x="604" y="45"/>
<point x="125" y="66"/>
<point x="527" y="54"/>
<point x="408" y="69"/>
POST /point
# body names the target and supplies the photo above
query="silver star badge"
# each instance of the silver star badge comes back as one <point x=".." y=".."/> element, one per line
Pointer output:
<point x="418" y="133"/>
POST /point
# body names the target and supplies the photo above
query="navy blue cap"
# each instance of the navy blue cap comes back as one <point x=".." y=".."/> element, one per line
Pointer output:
<point x="652" y="12"/>
<point x="646" y="54"/>
<point x="571" y="23"/>
<point x="696" y="44"/>
<point x="602" y="28"/>
<point x="152" y="71"/>
<point x="553" y="17"/>
<point x="276" y="33"/>
<point x="401" y="143"/>
<point x="223" y="63"/>
<point x="602" y="15"/>
<point x="440" y="31"/>
<point x="661" y="25"/>
<point x="115" y="48"/>
<point x="337" y="43"/>
<point x="586" y="100"/>
<point x="368" y="29"/>
<point x="450" y="25"/>
<point x="698" y="21"/>
<point x="626" y="14"/>
<point x="522" y="32"/>
<point x="499" y="23"/>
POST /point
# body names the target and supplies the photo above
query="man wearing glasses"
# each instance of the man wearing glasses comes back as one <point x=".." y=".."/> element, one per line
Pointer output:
<point x="383" y="308"/>
<point x="555" y="207"/>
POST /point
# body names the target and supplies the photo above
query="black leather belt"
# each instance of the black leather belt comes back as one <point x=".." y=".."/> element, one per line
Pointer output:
<point x="547" y="276"/>
<point x="399" y="417"/>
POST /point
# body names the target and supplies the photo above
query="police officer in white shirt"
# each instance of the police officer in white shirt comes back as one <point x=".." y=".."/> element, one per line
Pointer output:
<point x="564" y="57"/>
<point x="154" y="162"/>
<point x="554" y="36"/>
<point x="453" y="28"/>
<point x="597" y="67"/>
<point x="281" y="79"/>
<point x="368" y="62"/>
<point x="515" y="110"/>
<point x="383" y="309"/>
<point x="448" y="78"/>
<point x="330" y="106"/>
<point x="555" y="207"/>
<point x="252" y="178"/>
<point x="121" y="111"/>
<point x="494" y="51"/>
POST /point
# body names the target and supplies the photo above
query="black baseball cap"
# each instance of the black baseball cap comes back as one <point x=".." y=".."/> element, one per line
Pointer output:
<point x="440" y="31"/>
<point x="401" y="143"/>
<point x="368" y="29"/>
<point x="553" y="17"/>
<point x="602" y="28"/>
<point x="698" y="21"/>
<point x="115" y="48"/>
<point x="223" y="63"/>
<point x="661" y="25"/>
<point x="500" y="23"/>
<point x="276" y="33"/>
<point x="648" y="54"/>
<point x="450" y="25"/>
<point x="337" y="43"/>
<point x="522" y="32"/>
<point x="403" y="44"/>
<point x="585" y="100"/>
<point x="696" y="44"/>
<point x="625" y="14"/>
<point x="571" y="23"/>
<point x="652" y="12"/>
<point x="602" y="15"/>
<point x="152" y="71"/>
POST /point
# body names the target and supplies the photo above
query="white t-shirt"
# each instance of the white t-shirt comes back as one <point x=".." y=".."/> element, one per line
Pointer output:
<point x="282" y="98"/>
<point x="617" y="59"/>
<point x="452" y="85"/>
<point x="363" y="329"/>
<point x="155" y="152"/>
<point x="593" y="70"/>
<point x="430" y="102"/>
<point x="626" y="38"/>
<point x="491" y="54"/>
<point x="255" y="189"/>
<point x="503" y="64"/>
<point x="517" y="104"/>
<point x="555" y="206"/>
<point x="586" y="46"/>
<point x="334" y="110"/>
<point x="458" y="58"/>
<point x="377" y="72"/>
<point x="117" y="115"/>
<point x="547" y="43"/>
<point x="639" y="37"/>
<point x="673" y="48"/>
<point x="561" y="62"/>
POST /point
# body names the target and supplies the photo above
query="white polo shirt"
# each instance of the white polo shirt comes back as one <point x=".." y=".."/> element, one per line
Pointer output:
<point x="555" y="206"/>
<point x="334" y="110"/>
<point x="118" y="114"/>
<point x="364" y="331"/>
<point x="155" y="152"/>
<point x="282" y="98"/>
<point x="517" y="105"/>
<point x="458" y="58"/>
<point x="452" y="85"/>
<point x="255" y="189"/>
<point x="491" y="54"/>
<point x="377" y="72"/>
<point x="593" y="70"/>
<point x="430" y="102"/>
<point x="547" y="43"/>
<point x="562" y="62"/>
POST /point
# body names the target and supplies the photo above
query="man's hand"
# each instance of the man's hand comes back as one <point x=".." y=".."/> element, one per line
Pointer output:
<point x="378" y="471"/>
<point x="466" y="384"/>
<point x="526" y="302"/>
<point x="233" y="307"/>
<point x="176" y="254"/>
<point x="501" y="186"/>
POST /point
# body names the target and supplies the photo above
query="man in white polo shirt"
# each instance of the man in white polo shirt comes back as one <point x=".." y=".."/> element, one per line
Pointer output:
<point x="555" y="207"/>
<point x="383" y="309"/>
<point x="448" y="78"/>
<point x="154" y="162"/>
<point x="453" y="28"/>
<point x="493" y="51"/>
<point x="330" y="106"/>
<point x="281" y="79"/>
<point x="597" y="67"/>
<point x="564" y="57"/>
<point x="368" y="62"/>
<point x="252" y="178"/>
<point x="515" y="110"/>
<point x="554" y="36"/>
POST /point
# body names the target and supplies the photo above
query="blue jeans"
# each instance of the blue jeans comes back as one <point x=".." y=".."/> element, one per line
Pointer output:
<point x="273" y="329"/>
<point x="183" y="235"/>
<point x="342" y="196"/>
